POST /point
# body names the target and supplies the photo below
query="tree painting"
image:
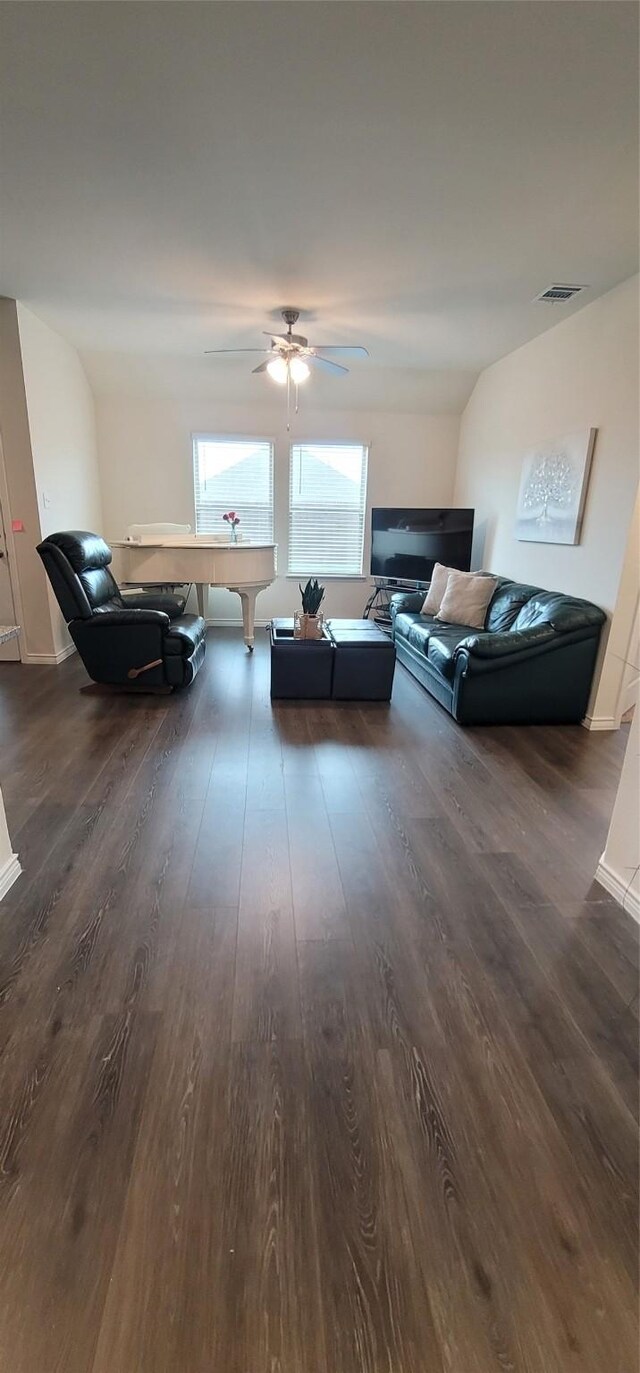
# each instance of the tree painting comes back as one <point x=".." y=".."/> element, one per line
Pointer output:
<point x="553" y="488"/>
<point x="552" y="482"/>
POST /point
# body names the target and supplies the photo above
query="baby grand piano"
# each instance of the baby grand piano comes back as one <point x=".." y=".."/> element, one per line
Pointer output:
<point x="165" y="559"/>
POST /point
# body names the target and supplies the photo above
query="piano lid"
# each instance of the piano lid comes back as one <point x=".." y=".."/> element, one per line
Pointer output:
<point x="137" y="532"/>
<point x="185" y="540"/>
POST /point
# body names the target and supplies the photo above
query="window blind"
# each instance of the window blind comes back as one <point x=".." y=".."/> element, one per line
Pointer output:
<point x="327" y="502"/>
<point x="233" y="474"/>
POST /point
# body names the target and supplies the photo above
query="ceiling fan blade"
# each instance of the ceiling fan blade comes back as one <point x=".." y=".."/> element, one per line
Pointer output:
<point x="347" y="350"/>
<point x="262" y="367"/>
<point x="236" y="350"/>
<point x="280" y="338"/>
<point x="325" y="365"/>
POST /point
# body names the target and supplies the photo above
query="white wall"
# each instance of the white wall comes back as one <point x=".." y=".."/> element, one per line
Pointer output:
<point x="619" y="867"/>
<point x="617" y="688"/>
<point x="61" y="418"/>
<point x="146" y="471"/>
<point x="9" y="865"/>
<point x="29" y="583"/>
<point x="5" y="843"/>
<point x="582" y="373"/>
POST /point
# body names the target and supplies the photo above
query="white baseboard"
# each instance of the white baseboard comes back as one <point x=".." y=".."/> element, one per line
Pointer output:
<point x="600" y="722"/>
<point x="235" y="623"/>
<point x="618" y="887"/>
<point x="8" y="873"/>
<point x="49" y="659"/>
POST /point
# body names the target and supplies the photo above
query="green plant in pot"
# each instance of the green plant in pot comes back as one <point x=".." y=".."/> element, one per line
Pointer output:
<point x="310" y="620"/>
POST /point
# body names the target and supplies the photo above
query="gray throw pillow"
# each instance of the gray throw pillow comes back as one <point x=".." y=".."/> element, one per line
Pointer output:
<point x="466" y="599"/>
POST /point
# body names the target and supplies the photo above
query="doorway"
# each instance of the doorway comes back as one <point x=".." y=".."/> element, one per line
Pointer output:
<point x="9" y="652"/>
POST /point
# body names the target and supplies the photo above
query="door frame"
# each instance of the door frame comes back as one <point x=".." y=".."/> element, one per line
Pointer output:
<point x="628" y="693"/>
<point x="14" y="581"/>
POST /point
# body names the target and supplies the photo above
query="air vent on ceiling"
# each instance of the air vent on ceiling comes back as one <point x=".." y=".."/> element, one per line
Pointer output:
<point x="559" y="293"/>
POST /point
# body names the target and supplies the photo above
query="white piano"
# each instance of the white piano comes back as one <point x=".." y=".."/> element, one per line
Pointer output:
<point x="162" y="559"/>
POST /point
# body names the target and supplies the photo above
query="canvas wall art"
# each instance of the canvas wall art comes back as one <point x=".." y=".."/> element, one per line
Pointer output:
<point x="553" y="489"/>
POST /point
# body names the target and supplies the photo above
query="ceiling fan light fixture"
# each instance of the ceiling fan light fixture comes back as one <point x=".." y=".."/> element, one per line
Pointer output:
<point x="286" y="362"/>
<point x="278" y="370"/>
<point x="299" y="370"/>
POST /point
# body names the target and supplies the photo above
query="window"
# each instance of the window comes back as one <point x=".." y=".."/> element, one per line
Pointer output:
<point x="327" y="496"/>
<point x="234" y="474"/>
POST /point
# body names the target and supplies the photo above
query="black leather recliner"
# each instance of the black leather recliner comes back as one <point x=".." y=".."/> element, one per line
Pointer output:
<point x="144" y="642"/>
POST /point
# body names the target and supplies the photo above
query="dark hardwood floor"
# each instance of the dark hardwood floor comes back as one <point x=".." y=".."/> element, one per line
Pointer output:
<point x="318" y="1041"/>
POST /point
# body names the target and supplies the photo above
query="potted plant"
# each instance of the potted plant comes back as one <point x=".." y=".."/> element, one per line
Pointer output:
<point x="308" y="622"/>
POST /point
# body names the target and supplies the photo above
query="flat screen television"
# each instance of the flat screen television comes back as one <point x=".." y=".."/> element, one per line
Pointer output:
<point x="405" y="544"/>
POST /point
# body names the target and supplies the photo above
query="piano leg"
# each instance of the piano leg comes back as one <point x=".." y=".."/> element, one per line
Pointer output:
<point x="202" y="594"/>
<point x="247" y="596"/>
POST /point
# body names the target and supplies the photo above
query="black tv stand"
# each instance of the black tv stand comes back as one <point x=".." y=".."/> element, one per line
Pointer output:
<point x="378" y="603"/>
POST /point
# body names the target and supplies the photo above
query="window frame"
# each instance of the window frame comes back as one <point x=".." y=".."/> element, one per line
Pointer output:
<point x="330" y="443"/>
<point x="205" y="435"/>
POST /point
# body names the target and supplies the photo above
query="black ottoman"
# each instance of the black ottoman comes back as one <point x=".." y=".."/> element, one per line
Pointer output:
<point x="300" y="670"/>
<point x="363" y="663"/>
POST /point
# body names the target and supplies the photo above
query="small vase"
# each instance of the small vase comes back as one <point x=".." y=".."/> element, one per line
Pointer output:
<point x="234" y="534"/>
<point x="307" y="626"/>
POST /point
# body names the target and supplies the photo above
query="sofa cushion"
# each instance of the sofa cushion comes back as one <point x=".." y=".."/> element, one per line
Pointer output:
<point x="184" y="635"/>
<point x="563" y="613"/>
<point x="505" y="605"/>
<point x="442" y="643"/>
<point x="416" y="630"/>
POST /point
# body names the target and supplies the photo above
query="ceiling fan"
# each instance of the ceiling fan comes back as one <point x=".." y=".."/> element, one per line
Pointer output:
<point x="291" y="358"/>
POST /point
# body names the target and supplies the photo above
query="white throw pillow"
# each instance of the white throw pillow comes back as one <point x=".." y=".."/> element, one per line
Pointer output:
<point x="466" y="599"/>
<point x="433" y="598"/>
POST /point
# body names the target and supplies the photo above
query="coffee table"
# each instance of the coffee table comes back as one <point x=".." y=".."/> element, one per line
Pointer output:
<point x="353" y="661"/>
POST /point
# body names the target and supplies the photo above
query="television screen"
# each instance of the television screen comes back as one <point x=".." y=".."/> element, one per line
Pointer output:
<point x="405" y="544"/>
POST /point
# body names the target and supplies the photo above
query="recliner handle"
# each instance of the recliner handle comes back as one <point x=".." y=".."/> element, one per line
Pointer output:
<point x="137" y="671"/>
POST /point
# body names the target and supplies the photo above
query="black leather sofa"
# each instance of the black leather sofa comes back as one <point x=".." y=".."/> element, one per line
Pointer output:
<point x="144" y="642"/>
<point x="532" y="664"/>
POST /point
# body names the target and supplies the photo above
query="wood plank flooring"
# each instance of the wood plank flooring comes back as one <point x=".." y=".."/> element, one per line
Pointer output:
<point x="318" y="1042"/>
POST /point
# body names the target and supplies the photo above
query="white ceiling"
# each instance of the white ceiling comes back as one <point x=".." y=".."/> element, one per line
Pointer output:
<point x="410" y="175"/>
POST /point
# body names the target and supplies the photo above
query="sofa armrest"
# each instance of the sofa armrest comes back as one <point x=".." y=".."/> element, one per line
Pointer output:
<point x="406" y="601"/>
<point x="488" y="645"/>
<point x="525" y="645"/>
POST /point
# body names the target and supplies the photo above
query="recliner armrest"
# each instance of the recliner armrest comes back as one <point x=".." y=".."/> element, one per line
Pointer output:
<point x="130" y="616"/>
<point x="173" y="606"/>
